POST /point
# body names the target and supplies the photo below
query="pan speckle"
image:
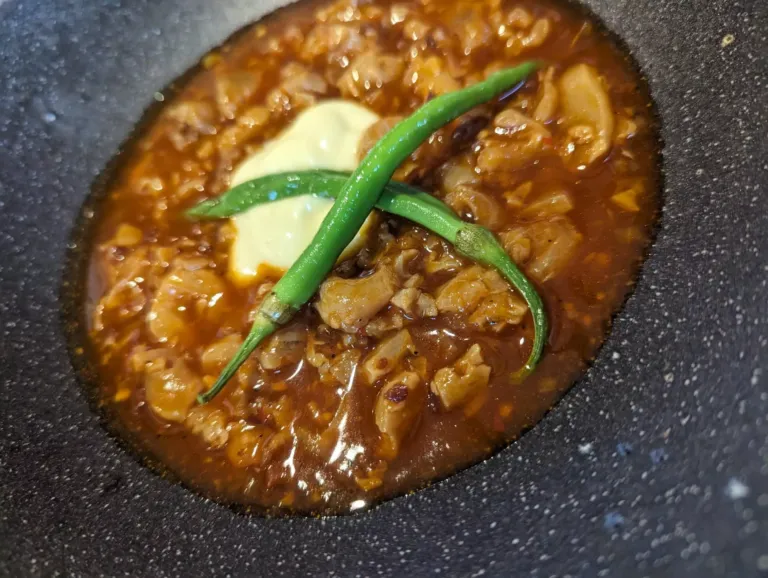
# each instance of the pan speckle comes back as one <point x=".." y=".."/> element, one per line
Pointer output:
<point x="736" y="490"/>
<point x="699" y="313"/>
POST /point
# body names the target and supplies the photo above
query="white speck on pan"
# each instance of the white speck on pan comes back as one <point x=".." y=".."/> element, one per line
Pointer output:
<point x="736" y="490"/>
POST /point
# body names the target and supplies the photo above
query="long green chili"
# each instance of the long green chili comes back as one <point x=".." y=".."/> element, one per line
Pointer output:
<point x="471" y="240"/>
<point x="354" y="202"/>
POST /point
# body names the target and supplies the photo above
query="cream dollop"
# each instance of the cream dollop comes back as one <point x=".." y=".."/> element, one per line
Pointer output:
<point x="273" y="235"/>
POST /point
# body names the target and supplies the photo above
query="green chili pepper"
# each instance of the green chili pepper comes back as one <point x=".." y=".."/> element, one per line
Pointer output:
<point x="354" y="202"/>
<point x="318" y="182"/>
<point x="471" y="240"/>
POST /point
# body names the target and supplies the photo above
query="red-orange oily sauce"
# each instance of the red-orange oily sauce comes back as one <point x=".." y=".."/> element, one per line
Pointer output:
<point x="573" y="201"/>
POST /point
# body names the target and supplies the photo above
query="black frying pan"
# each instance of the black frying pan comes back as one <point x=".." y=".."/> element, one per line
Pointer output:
<point x="655" y="464"/>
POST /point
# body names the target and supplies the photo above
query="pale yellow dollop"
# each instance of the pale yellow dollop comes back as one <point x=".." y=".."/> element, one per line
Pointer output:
<point x="273" y="235"/>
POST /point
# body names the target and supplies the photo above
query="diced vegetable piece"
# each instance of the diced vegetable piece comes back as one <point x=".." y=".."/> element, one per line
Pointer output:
<point x="587" y="112"/>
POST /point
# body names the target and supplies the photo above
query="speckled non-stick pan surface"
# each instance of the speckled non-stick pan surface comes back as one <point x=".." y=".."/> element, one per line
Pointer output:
<point x="655" y="464"/>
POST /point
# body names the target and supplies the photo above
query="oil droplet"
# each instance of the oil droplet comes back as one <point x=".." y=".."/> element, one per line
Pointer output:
<point x="727" y="40"/>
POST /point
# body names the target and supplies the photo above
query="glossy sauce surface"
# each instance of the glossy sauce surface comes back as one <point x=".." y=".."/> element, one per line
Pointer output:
<point x="398" y="373"/>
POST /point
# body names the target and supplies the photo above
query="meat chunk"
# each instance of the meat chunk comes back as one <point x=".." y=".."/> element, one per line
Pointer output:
<point x="373" y="134"/>
<point x="483" y="294"/>
<point x="387" y="355"/>
<point x="498" y="310"/>
<point x="462" y="293"/>
<point x="218" y="354"/>
<point x="516" y="140"/>
<point x="332" y="40"/>
<point x="469" y="23"/>
<point x="441" y="257"/>
<point x="299" y="88"/>
<point x="283" y="348"/>
<point x="183" y="291"/>
<point x="422" y="159"/>
<point x="349" y="304"/>
<point x="247" y="444"/>
<point x="544" y="247"/>
<point x="142" y="359"/>
<point x="429" y="77"/>
<point x="249" y="124"/>
<point x="192" y="120"/>
<point x="549" y="204"/>
<point x="368" y="72"/>
<point x="458" y="173"/>
<point x="234" y="89"/>
<point x="466" y="290"/>
<point x="520" y="30"/>
<point x="344" y="367"/>
<point x="315" y="355"/>
<point x="546" y="107"/>
<point x="403" y="261"/>
<point x="415" y="302"/>
<point x="398" y="407"/>
<point x="516" y="197"/>
<point x="479" y="207"/>
<point x="126" y="296"/>
<point x="339" y="11"/>
<point x="385" y="323"/>
<point x="210" y="424"/>
<point x="464" y="382"/>
<point x="171" y="392"/>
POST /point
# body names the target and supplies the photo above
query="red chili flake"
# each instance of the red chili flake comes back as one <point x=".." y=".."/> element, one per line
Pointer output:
<point x="397" y="394"/>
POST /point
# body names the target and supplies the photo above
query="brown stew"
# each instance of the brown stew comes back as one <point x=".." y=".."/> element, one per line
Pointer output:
<point x="399" y="372"/>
